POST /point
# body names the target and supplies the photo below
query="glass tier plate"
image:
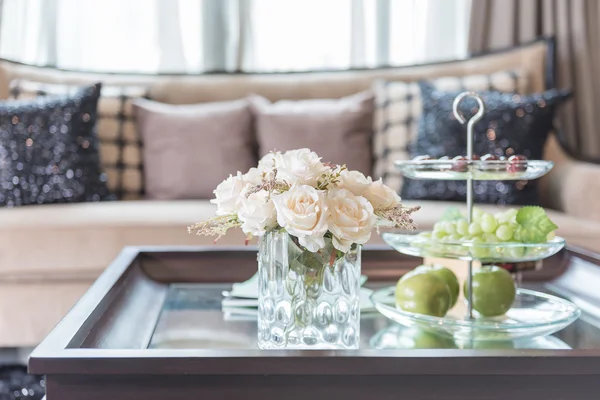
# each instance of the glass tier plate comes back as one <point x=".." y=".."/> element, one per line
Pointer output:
<point x="476" y="170"/>
<point x="533" y="314"/>
<point x="421" y="246"/>
<point x="399" y="337"/>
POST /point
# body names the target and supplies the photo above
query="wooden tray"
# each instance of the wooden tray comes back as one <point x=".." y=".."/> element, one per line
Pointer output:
<point x="103" y="349"/>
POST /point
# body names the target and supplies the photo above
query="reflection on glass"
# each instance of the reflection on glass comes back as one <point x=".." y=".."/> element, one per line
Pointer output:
<point x="192" y="319"/>
<point x="398" y="337"/>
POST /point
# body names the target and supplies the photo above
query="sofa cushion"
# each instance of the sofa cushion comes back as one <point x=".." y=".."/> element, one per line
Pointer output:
<point x="122" y="163"/>
<point x="512" y="124"/>
<point x="399" y="107"/>
<point x="49" y="150"/>
<point x="120" y="145"/>
<point x="190" y="149"/>
<point x="339" y="130"/>
<point x="80" y="240"/>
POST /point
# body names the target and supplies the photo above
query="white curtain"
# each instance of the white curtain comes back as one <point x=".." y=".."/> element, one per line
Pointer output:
<point x="186" y="36"/>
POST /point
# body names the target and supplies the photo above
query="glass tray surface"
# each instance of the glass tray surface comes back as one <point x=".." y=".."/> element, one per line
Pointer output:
<point x="533" y="314"/>
<point x="421" y="246"/>
<point x="399" y="337"/>
<point x="476" y="170"/>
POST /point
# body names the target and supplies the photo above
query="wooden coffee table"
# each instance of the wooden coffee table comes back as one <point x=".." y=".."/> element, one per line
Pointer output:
<point x="151" y="328"/>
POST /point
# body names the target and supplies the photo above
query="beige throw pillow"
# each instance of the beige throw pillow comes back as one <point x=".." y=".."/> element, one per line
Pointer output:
<point x="190" y="149"/>
<point x="338" y="130"/>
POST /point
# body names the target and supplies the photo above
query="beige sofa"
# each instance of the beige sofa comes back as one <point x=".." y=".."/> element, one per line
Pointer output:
<point x="50" y="254"/>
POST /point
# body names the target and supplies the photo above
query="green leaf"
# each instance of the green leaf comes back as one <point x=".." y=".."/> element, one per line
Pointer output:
<point x="534" y="225"/>
<point x="294" y="249"/>
<point x="452" y="214"/>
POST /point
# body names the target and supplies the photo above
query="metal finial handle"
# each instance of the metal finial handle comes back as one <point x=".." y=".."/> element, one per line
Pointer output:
<point x="474" y="119"/>
<point x="470" y="124"/>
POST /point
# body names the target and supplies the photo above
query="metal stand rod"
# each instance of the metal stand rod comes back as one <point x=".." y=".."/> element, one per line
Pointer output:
<point x="470" y="265"/>
<point x="470" y="124"/>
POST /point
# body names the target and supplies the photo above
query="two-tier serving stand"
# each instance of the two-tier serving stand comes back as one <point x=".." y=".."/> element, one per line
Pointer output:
<point x="533" y="313"/>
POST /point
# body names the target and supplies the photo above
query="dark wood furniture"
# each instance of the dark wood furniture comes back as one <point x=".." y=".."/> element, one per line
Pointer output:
<point x="106" y="347"/>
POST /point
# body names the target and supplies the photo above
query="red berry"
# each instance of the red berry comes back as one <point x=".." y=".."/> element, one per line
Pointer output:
<point x="460" y="164"/>
<point x="517" y="163"/>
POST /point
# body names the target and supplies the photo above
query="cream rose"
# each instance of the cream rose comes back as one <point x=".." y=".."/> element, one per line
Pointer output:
<point x="302" y="212"/>
<point x="350" y="219"/>
<point x="354" y="181"/>
<point x="253" y="176"/>
<point x="228" y="194"/>
<point x="257" y="213"/>
<point x="382" y="197"/>
<point x="302" y="167"/>
<point x="267" y="163"/>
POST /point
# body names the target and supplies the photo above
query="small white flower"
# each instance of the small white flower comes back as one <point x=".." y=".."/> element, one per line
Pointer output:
<point x="302" y="167"/>
<point x="302" y="212"/>
<point x="350" y="219"/>
<point x="257" y="213"/>
<point x="382" y="197"/>
<point x="354" y="181"/>
<point x="228" y="194"/>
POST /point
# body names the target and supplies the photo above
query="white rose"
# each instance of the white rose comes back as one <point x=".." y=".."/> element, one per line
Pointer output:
<point x="267" y="162"/>
<point x="302" y="167"/>
<point x="257" y="213"/>
<point x="302" y="212"/>
<point x="381" y="196"/>
<point x="253" y="176"/>
<point x="354" y="181"/>
<point x="350" y="219"/>
<point x="228" y="194"/>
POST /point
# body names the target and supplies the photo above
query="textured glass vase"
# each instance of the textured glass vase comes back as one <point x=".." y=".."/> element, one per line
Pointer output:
<point x="307" y="300"/>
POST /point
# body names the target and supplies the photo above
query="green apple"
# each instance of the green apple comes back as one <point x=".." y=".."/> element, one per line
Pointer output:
<point x="446" y="275"/>
<point x="423" y="293"/>
<point x="493" y="291"/>
<point x="419" y="339"/>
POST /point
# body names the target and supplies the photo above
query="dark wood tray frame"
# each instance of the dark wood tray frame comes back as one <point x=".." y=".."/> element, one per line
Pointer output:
<point x="99" y="350"/>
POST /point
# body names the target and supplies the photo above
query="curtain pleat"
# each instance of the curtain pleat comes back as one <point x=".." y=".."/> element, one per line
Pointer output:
<point x="574" y="23"/>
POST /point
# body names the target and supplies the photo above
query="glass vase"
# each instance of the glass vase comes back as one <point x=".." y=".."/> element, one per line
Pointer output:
<point x="307" y="300"/>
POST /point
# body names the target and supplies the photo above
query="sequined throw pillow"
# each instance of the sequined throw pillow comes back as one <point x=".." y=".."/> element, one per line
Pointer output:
<point x="49" y="150"/>
<point x="512" y="124"/>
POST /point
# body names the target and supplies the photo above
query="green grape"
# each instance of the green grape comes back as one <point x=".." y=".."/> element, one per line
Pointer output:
<point x="475" y="229"/>
<point x="438" y="235"/>
<point x="462" y="227"/>
<point x="504" y="232"/>
<point x="449" y="227"/>
<point x="488" y="223"/>
<point x="466" y="238"/>
<point x="516" y="252"/>
<point x="453" y="238"/>
<point x="477" y="213"/>
<point x="490" y="238"/>
<point x="439" y="227"/>
<point x="479" y="252"/>
<point x="508" y="216"/>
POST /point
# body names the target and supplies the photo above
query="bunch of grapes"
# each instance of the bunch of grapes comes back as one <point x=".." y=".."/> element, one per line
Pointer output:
<point x="485" y="228"/>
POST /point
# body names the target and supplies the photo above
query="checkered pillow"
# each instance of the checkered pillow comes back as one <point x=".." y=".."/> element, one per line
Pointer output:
<point x="120" y="145"/>
<point x="398" y="108"/>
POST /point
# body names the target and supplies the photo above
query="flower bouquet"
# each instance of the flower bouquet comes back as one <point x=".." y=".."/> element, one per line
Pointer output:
<point x="311" y="218"/>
